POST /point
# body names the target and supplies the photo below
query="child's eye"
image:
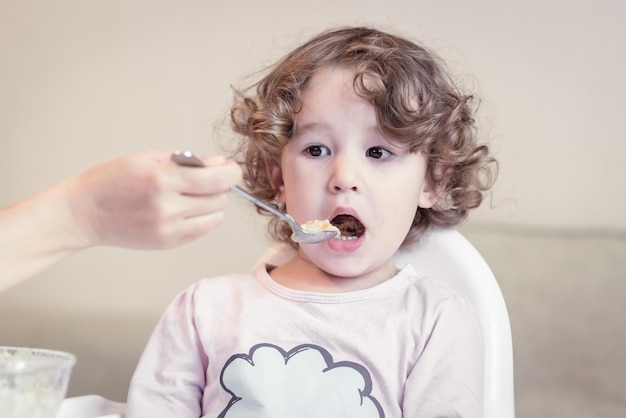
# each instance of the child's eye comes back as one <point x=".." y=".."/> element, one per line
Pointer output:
<point x="316" y="150"/>
<point x="377" y="153"/>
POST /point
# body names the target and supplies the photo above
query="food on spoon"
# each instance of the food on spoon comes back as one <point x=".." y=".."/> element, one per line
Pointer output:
<point x="349" y="226"/>
<point x="318" y="226"/>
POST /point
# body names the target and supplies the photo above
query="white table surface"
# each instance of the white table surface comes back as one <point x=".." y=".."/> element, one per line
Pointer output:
<point x="90" y="406"/>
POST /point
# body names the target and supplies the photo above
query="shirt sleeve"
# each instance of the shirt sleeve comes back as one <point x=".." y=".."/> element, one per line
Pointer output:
<point x="170" y="377"/>
<point x="447" y="379"/>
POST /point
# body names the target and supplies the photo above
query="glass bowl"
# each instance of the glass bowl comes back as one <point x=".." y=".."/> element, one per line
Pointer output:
<point x="33" y="381"/>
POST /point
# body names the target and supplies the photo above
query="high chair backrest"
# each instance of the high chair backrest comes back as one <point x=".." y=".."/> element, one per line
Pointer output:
<point x="445" y="254"/>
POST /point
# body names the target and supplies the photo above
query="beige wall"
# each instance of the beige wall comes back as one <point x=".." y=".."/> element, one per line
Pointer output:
<point x="82" y="81"/>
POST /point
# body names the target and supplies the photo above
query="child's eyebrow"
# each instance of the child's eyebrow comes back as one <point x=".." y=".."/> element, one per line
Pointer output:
<point x="322" y="127"/>
<point x="312" y="127"/>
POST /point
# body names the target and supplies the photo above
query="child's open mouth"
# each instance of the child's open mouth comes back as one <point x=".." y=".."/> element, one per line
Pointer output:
<point x="349" y="226"/>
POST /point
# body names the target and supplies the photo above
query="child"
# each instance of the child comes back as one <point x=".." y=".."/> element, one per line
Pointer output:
<point x="365" y="129"/>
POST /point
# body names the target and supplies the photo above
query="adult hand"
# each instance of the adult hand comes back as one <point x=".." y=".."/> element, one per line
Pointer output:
<point x="140" y="201"/>
<point x="145" y="201"/>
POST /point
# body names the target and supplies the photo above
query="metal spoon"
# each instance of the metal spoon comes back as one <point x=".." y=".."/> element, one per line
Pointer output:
<point x="300" y="234"/>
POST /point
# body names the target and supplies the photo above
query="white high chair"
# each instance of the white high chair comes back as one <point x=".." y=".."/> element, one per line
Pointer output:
<point x="447" y="255"/>
<point x="441" y="253"/>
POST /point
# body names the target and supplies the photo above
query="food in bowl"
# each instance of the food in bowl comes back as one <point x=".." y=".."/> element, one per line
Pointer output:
<point x="33" y="381"/>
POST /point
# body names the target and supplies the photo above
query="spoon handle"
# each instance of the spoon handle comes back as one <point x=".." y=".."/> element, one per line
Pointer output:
<point x="242" y="193"/>
<point x="187" y="158"/>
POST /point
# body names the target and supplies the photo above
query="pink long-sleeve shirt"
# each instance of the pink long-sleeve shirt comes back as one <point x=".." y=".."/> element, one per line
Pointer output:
<point x="244" y="346"/>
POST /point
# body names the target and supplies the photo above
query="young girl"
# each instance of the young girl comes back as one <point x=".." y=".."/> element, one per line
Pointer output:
<point x="365" y="129"/>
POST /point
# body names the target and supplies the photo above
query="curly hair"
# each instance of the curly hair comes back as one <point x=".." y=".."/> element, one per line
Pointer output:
<point x="417" y="105"/>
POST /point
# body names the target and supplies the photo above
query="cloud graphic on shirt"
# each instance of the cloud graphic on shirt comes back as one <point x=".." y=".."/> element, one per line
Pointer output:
<point x="270" y="382"/>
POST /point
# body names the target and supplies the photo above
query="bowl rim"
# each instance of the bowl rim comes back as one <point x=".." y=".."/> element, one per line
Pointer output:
<point x="41" y="359"/>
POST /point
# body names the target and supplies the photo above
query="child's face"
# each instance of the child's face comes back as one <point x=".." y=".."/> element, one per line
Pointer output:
<point x="337" y="163"/>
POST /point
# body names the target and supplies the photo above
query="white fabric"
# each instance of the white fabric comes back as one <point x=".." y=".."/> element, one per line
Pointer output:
<point x="244" y="346"/>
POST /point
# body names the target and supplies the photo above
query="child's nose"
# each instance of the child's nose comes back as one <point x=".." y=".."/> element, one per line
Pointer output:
<point x="345" y="176"/>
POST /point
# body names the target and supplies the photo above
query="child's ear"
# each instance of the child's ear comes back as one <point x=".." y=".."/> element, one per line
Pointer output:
<point x="431" y="188"/>
<point x="429" y="195"/>
<point x="275" y="176"/>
